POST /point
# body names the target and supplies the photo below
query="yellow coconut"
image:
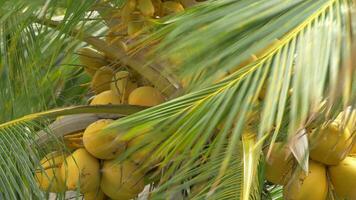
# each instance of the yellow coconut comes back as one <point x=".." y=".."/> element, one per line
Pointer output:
<point x="81" y="170"/>
<point x="91" y="59"/>
<point x="48" y="176"/>
<point x="114" y="37"/>
<point x="279" y="164"/>
<point x="314" y="186"/>
<point x="343" y="178"/>
<point x="146" y="7"/>
<point x="106" y="97"/>
<point x="127" y="10"/>
<point x="95" y="195"/>
<point x="349" y="117"/>
<point x="102" y="144"/>
<point x="146" y="96"/>
<point x="141" y="154"/>
<point x="188" y="3"/>
<point x="353" y="150"/>
<point x="330" y="145"/>
<point x="102" y="79"/>
<point x="171" y="7"/>
<point x="121" y="180"/>
<point x="121" y="85"/>
<point x="135" y="25"/>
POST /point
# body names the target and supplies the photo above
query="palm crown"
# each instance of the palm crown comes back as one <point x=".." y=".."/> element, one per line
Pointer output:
<point x="239" y="75"/>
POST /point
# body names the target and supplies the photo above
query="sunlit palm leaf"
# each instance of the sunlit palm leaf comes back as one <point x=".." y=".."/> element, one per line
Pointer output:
<point x="299" y="72"/>
<point x="182" y="132"/>
<point x="36" y="61"/>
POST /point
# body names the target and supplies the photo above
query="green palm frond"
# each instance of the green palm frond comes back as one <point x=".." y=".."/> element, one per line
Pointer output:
<point x="301" y="73"/>
<point x="37" y="61"/>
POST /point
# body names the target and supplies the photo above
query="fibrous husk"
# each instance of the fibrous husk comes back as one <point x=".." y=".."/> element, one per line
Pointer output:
<point x="48" y="176"/>
<point x="114" y="37"/>
<point x="313" y="186"/>
<point x="82" y="170"/>
<point x="102" y="144"/>
<point x="106" y="97"/>
<point x="279" y="164"/>
<point x="102" y="79"/>
<point x="331" y="144"/>
<point x="146" y="96"/>
<point x="91" y="59"/>
<point x="74" y="140"/>
<point x="121" y="180"/>
<point x="343" y="178"/>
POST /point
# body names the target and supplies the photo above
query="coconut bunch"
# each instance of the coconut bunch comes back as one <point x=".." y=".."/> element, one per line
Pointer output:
<point x="114" y="84"/>
<point x="96" y="179"/>
<point x="137" y="15"/>
<point x="91" y="165"/>
<point x="332" y="164"/>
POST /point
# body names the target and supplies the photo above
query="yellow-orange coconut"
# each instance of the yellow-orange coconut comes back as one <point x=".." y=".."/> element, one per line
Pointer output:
<point x="122" y="85"/>
<point x="102" y="79"/>
<point x="102" y="144"/>
<point x="121" y="181"/>
<point x="279" y="164"/>
<point x="107" y="97"/>
<point x="353" y="150"/>
<point x="95" y="195"/>
<point x="343" y="178"/>
<point x="313" y="186"/>
<point x="330" y="145"/>
<point x="48" y="176"/>
<point x="171" y="7"/>
<point x="82" y="170"/>
<point x="146" y="96"/>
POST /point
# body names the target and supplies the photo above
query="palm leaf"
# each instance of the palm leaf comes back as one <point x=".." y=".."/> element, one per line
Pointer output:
<point x="34" y="56"/>
<point x="300" y="72"/>
<point x="182" y="132"/>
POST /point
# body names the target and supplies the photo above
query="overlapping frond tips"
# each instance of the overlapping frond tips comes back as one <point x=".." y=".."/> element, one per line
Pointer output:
<point x="300" y="48"/>
<point x="34" y="57"/>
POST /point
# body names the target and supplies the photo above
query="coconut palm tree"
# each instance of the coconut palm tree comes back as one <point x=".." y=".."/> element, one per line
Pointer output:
<point x="210" y="135"/>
